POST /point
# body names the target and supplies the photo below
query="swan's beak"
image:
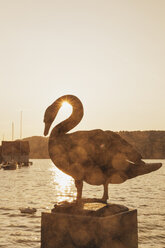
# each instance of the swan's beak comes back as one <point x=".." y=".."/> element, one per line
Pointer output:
<point x="47" y="127"/>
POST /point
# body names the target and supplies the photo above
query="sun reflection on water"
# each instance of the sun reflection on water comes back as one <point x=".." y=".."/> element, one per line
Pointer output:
<point x="64" y="184"/>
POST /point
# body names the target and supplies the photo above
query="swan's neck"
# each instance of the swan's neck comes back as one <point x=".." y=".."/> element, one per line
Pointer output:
<point x="76" y="116"/>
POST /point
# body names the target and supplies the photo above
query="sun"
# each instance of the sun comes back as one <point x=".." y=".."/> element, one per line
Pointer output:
<point x="66" y="108"/>
<point x="65" y="111"/>
<point x="66" y="104"/>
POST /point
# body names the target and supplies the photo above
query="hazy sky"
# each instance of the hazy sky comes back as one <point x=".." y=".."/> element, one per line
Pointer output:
<point x="110" y="53"/>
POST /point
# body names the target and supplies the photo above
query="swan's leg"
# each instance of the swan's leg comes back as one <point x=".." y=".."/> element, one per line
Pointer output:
<point x="105" y="194"/>
<point x="79" y="186"/>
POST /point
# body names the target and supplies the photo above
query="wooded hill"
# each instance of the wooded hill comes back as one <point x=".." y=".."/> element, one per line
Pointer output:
<point x="151" y="144"/>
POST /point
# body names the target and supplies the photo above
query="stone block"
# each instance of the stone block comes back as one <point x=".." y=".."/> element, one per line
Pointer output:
<point x="109" y="226"/>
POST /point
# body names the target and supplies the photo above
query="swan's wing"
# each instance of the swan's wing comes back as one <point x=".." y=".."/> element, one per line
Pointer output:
<point x="100" y="148"/>
<point x="120" y="145"/>
<point x="95" y="147"/>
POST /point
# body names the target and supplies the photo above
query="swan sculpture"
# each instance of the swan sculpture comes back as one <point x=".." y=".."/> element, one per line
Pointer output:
<point x="96" y="157"/>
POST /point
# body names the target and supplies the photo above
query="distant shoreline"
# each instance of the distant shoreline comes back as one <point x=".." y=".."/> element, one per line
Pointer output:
<point x="151" y="144"/>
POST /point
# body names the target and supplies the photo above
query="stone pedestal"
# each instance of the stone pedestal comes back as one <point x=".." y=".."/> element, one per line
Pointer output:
<point x="93" y="225"/>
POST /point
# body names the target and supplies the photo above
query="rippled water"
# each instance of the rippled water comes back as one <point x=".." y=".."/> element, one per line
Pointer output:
<point x="42" y="184"/>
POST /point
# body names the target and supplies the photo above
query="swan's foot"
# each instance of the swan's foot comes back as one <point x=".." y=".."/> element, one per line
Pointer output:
<point x="105" y="194"/>
<point x="79" y="186"/>
<point x="103" y="200"/>
<point x="92" y="200"/>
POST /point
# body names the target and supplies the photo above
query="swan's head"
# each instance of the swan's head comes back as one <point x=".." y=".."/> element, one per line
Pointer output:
<point x="51" y="112"/>
<point x="64" y="101"/>
<point x="49" y="117"/>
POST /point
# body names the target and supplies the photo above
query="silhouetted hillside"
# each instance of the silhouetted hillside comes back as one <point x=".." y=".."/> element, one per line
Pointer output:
<point x="151" y="144"/>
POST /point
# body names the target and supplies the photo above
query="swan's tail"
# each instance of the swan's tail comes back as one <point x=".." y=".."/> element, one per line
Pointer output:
<point x="137" y="170"/>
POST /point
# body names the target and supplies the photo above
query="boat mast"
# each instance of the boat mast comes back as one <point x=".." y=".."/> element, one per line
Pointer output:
<point x="12" y="131"/>
<point x="21" y="125"/>
<point x="12" y="139"/>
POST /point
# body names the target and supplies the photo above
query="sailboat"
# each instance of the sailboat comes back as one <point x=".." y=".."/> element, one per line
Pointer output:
<point x="15" y="154"/>
<point x="11" y="165"/>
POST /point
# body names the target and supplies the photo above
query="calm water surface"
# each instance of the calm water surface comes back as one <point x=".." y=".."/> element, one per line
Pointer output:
<point x="42" y="184"/>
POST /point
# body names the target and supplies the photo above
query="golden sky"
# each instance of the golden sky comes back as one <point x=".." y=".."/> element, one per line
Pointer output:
<point x="109" y="53"/>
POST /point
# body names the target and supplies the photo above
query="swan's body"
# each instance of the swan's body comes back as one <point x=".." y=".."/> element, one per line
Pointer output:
<point x="96" y="157"/>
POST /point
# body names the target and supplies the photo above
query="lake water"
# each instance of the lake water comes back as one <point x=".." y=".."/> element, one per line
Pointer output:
<point x="42" y="185"/>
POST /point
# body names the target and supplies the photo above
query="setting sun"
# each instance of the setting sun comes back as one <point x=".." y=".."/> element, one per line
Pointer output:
<point x="66" y="108"/>
<point x="66" y="104"/>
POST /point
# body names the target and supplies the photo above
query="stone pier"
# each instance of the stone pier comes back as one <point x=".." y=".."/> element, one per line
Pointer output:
<point x="93" y="225"/>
